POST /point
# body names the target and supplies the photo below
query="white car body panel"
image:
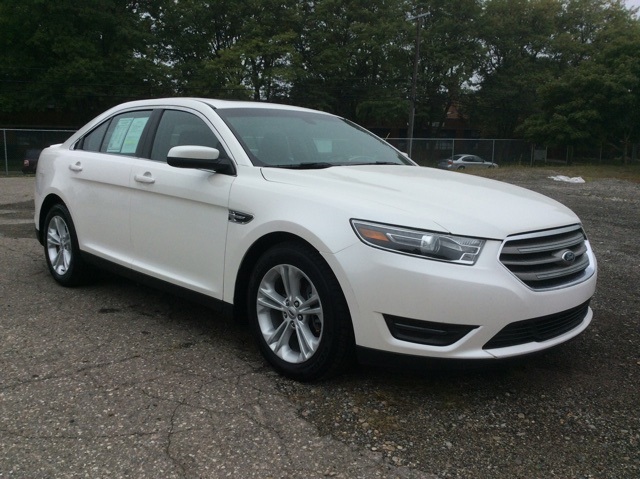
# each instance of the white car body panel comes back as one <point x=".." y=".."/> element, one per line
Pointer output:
<point x="377" y="282"/>
<point x="430" y="290"/>
<point x="172" y="224"/>
<point x="161" y="212"/>
<point x="96" y="190"/>
<point x="433" y="199"/>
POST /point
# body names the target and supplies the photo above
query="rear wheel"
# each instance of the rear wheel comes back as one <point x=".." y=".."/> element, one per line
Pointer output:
<point x="61" y="247"/>
<point x="299" y="314"/>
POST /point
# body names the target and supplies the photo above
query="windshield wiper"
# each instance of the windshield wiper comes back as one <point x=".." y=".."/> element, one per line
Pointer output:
<point x="374" y="163"/>
<point x="304" y="166"/>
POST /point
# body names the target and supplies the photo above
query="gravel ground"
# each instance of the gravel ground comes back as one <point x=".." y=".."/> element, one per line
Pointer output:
<point x="573" y="412"/>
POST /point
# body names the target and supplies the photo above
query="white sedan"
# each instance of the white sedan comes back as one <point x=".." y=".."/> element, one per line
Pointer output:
<point x="327" y="238"/>
<point x="461" y="162"/>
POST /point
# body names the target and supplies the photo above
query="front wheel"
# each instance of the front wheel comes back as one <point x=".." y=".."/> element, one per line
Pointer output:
<point x="61" y="247"/>
<point x="299" y="314"/>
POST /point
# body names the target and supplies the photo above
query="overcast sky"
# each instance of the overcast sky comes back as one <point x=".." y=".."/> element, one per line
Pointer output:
<point x="633" y="3"/>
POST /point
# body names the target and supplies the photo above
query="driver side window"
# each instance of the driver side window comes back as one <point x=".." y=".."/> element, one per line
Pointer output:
<point x="177" y="128"/>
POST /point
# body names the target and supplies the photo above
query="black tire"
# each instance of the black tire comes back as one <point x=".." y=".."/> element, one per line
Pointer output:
<point x="61" y="248"/>
<point x="461" y="167"/>
<point x="307" y="321"/>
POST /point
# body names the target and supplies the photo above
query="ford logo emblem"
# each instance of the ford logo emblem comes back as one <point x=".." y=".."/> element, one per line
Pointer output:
<point x="568" y="257"/>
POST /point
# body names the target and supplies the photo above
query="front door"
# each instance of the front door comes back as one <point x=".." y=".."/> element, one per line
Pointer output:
<point x="179" y="217"/>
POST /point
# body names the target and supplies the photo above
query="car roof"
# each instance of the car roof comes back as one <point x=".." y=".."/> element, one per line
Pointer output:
<point x="212" y="102"/>
<point x="187" y="102"/>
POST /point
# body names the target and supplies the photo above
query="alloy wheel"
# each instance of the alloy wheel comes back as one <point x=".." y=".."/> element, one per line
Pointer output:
<point x="59" y="247"/>
<point x="289" y="313"/>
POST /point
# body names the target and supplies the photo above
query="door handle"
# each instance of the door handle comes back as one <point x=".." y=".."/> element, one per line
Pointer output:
<point x="76" y="167"/>
<point x="146" y="178"/>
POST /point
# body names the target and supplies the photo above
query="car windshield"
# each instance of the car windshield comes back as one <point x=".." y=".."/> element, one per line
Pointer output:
<point x="301" y="139"/>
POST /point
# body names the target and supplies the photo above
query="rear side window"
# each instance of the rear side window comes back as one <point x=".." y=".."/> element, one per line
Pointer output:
<point x="124" y="133"/>
<point x="93" y="140"/>
<point x="121" y="135"/>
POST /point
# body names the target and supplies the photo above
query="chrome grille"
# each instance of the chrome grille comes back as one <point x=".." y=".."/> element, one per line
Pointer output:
<point x="548" y="259"/>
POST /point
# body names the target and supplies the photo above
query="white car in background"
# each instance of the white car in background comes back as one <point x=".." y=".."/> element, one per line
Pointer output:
<point x="461" y="162"/>
<point x="327" y="238"/>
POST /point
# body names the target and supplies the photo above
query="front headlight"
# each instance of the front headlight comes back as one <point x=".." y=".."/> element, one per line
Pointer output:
<point x="426" y="244"/>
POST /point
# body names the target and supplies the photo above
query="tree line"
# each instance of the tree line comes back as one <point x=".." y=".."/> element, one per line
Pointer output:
<point x="560" y="72"/>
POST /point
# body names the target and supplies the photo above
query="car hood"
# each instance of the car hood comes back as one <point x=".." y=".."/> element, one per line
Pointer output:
<point x="431" y="199"/>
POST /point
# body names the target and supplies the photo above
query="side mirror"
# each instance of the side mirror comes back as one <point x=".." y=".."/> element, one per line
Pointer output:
<point x="199" y="157"/>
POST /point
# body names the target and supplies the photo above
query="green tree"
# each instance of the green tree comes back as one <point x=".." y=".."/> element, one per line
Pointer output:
<point x="264" y="54"/>
<point x="353" y="59"/>
<point x="598" y="101"/>
<point x="189" y="36"/>
<point x="516" y="36"/>
<point x="450" y="55"/>
<point x="228" y="49"/>
<point x="74" y="56"/>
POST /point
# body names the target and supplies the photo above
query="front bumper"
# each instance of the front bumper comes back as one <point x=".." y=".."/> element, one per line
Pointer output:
<point x="485" y="297"/>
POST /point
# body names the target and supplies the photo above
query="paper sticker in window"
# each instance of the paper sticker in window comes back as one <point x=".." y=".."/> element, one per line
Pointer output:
<point x="126" y="135"/>
<point x="118" y="135"/>
<point x="133" y="135"/>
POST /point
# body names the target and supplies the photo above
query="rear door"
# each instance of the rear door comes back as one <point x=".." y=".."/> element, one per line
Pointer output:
<point x="179" y="217"/>
<point x="99" y="169"/>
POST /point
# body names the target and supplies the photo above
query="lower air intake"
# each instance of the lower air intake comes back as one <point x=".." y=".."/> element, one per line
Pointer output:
<point x="539" y="329"/>
<point x="426" y="332"/>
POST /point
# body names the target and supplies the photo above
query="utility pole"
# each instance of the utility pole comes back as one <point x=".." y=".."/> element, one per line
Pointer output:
<point x="414" y="81"/>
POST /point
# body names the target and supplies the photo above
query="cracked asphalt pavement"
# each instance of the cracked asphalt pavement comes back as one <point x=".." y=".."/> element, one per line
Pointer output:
<point x="117" y="380"/>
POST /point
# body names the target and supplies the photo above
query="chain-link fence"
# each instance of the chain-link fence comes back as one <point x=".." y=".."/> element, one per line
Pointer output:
<point x="18" y="144"/>
<point x="430" y="151"/>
